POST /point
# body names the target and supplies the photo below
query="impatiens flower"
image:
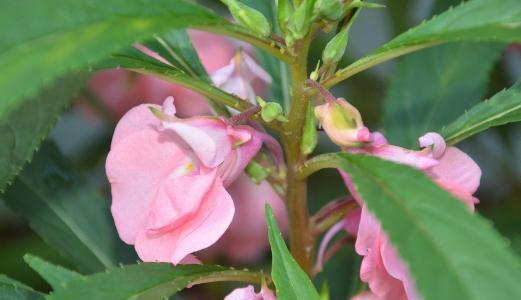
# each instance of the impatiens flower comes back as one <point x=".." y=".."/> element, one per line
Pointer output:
<point x="368" y="295"/>
<point x="168" y="179"/>
<point x="237" y="77"/>
<point x="382" y="269"/>
<point x="342" y="123"/>
<point x="248" y="293"/>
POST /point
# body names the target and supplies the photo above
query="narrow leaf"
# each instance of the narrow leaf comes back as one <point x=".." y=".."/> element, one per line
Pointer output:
<point x="56" y="276"/>
<point x="66" y="212"/>
<point x="433" y="87"/>
<point x="477" y="20"/>
<point x="291" y="281"/>
<point x="41" y="40"/>
<point x="149" y="281"/>
<point x="434" y="233"/>
<point x="502" y="108"/>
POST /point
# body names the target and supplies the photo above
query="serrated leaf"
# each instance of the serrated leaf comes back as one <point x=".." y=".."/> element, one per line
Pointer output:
<point x="502" y="108"/>
<point x="41" y="40"/>
<point x="477" y="20"/>
<point x="23" y="130"/>
<point x="56" y="276"/>
<point x="66" y="212"/>
<point x="433" y="87"/>
<point x="434" y="233"/>
<point x="148" y="281"/>
<point x="291" y="281"/>
<point x="11" y="289"/>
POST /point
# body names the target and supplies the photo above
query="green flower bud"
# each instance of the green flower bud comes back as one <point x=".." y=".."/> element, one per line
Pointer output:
<point x="256" y="172"/>
<point x="309" y="136"/>
<point x="329" y="9"/>
<point x="271" y="111"/>
<point x="249" y="17"/>
<point x="300" y="22"/>
<point x="363" y="4"/>
<point x="336" y="47"/>
<point x="284" y="11"/>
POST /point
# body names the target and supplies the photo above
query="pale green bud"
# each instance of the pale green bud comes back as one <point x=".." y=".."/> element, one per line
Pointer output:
<point x="271" y="111"/>
<point x="336" y="47"/>
<point x="363" y="4"/>
<point x="329" y="9"/>
<point x="300" y="22"/>
<point x="248" y="17"/>
<point x="256" y="172"/>
<point x="284" y="11"/>
<point x="309" y="136"/>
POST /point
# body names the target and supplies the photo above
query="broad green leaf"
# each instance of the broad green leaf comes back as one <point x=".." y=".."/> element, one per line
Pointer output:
<point x="66" y="212"/>
<point x="13" y="290"/>
<point x="502" y="108"/>
<point x="291" y="281"/>
<point x="23" y="129"/>
<point x="433" y="87"/>
<point x="434" y="233"/>
<point x="477" y="20"/>
<point x="56" y="276"/>
<point x="148" y="281"/>
<point x="41" y="40"/>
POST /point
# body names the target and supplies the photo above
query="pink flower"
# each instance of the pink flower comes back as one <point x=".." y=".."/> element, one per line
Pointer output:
<point x="248" y="293"/>
<point x="382" y="269"/>
<point x="120" y="90"/>
<point x="238" y="76"/>
<point x="168" y="179"/>
<point x="368" y="295"/>
<point x="247" y="239"/>
<point x="342" y="123"/>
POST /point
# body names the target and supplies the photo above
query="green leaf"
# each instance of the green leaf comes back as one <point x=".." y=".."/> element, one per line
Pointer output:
<point x="23" y="129"/>
<point x="56" y="276"/>
<point x="477" y="20"/>
<point x="67" y="212"/>
<point x="149" y="281"/>
<point x="291" y="281"/>
<point x="13" y="290"/>
<point x="433" y="87"/>
<point x="502" y="108"/>
<point x="41" y="40"/>
<point x="434" y="233"/>
<point x="176" y="47"/>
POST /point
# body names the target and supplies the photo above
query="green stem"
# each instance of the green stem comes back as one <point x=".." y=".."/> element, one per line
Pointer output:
<point x="270" y="46"/>
<point x="317" y="163"/>
<point x="301" y="239"/>
<point x="239" y="276"/>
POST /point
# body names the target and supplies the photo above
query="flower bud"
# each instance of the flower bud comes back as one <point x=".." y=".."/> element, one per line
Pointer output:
<point x="343" y="123"/>
<point x="329" y="9"/>
<point x="271" y="111"/>
<point x="284" y="11"/>
<point x="336" y="47"/>
<point x="249" y="17"/>
<point x="309" y="136"/>
<point x="300" y="22"/>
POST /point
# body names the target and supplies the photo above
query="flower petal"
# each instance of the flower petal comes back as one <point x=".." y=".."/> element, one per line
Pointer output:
<point x="255" y="69"/>
<point x="134" y="120"/>
<point x="136" y="165"/>
<point x="458" y="168"/>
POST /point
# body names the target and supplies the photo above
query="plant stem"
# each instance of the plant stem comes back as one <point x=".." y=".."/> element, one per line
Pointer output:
<point x="301" y="239"/>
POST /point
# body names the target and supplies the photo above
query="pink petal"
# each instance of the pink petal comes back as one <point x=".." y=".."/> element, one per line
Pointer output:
<point x="368" y="295"/>
<point x="202" y="229"/>
<point x="207" y="136"/>
<point x="368" y="232"/>
<point x="247" y="293"/>
<point x="134" y="120"/>
<point x="151" y="53"/>
<point x="330" y="234"/>
<point x="136" y="165"/>
<point x="353" y="221"/>
<point x="458" y="168"/>
<point x="215" y="51"/>
<point x="222" y="75"/>
<point x="417" y="159"/>
<point x="255" y="69"/>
